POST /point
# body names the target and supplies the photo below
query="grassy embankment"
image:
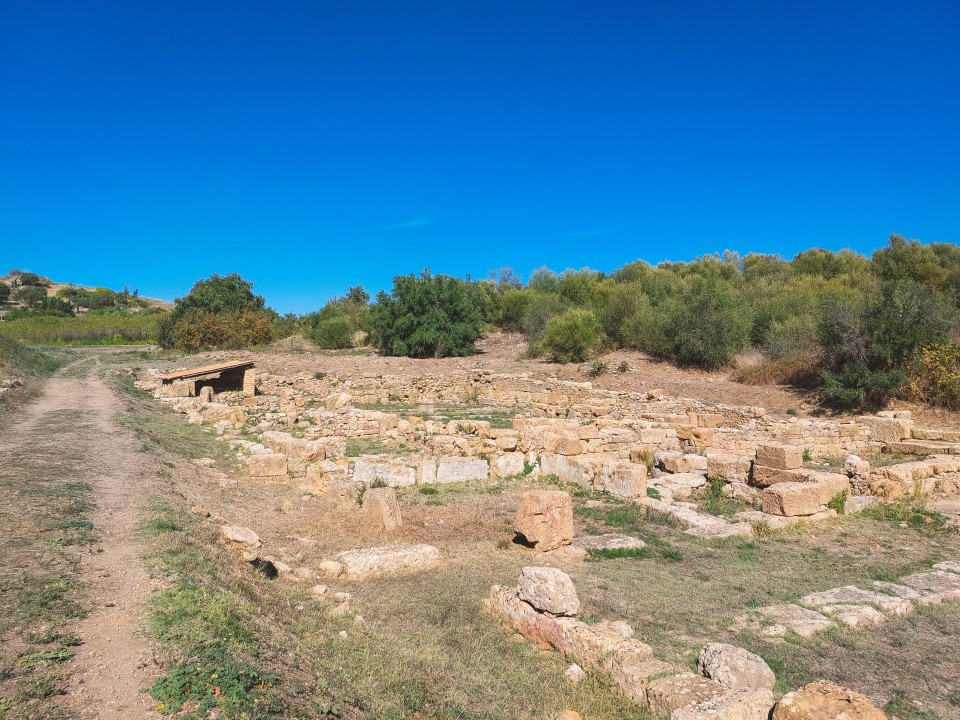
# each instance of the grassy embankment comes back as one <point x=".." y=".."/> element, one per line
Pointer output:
<point x="84" y="330"/>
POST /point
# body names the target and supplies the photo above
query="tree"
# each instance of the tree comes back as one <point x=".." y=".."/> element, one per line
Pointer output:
<point x="709" y="324"/>
<point x="4" y="292"/>
<point x="30" y="294"/>
<point x="429" y="316"/>
<point x="220" y="311"/>
<point x="868" y="342"/>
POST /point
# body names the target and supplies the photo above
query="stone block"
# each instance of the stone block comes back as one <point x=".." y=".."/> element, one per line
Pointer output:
<point x="623" y="479"/>
<point x="764" y="476"/>
<point x="744" y="704"/>
<point x="545" y="519"/>
<point x="267" y="466"/>
<point x="676" y="691"/>
<point x="780" y="456"/>
<point x="381" y="510"/>
<point x="886" y="430"/>
<point x="735" y="668"/>
<point x="462" y="469"/>
<point x="791" y="499"/>
<point x="729" y="468"/>
<point x="388" y="560"/>
<point x="507" y="465"/>
<point x="368" y="471"/>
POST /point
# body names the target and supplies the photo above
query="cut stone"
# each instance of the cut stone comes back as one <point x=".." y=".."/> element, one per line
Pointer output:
<point x="781" y="457"/>
<point x="388" y="560"/>
<point x="852" y="594"/>
<point x="743" y="704"/>
<point x="805" y="623"/>
<point x="943" y="583"/>
<point x="854" y="615"/>
<point x="608" y="542"/>
<point x="920" y="597"/>
<point x="631" y="672"/>
<point x="462" y="469"/>
<point x="381" y="510"/>
<point x="672" y="693"/>
<point x="545" y="519"/>
<point x="791" y="499"/>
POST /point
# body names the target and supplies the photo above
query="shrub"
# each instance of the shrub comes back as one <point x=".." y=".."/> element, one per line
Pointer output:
<point x="509" y="309"/>
<point x="598" y="368"/>
<point x="869" y="343"/>
<point x="334" y="333"/>
<point x="429" y="316"/>
<point x="4" y="292"/>
<point x="934" y="376"/>
<point x="571" y="336"/>
<point x="709" y="325"/>
<point x="231" y="330"/>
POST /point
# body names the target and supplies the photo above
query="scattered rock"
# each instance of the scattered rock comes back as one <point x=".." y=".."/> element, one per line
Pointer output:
<point x="735" y="668"/>
<point x="823" y="700"/>
<point x="330" y="568"/>
<point x="243" y="536"/>
<point x="548" y="590"/>
<point x="742" y="704"/>
<point x="388" y="560"/>
<point x="574" y="674"/>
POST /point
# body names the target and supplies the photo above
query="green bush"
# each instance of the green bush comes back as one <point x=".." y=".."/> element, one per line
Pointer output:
<point x="334" y="333"/>
<point x="571" y="336"/>
<point x="709" y="325"/>
<point x="219" y="312"/>
<point x="869" y="342"/>
<point x="429" y="316"/>
<point x="934" y="376"/>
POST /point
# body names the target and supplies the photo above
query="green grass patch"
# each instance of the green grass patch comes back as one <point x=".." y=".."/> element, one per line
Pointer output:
<point x="915" y="516"/>
<point x="45" y="658"/>
<point x="85" y="330"/>
<point x="617" y="553"/>
<point x="714" y="502"/>
<point x="375" y="446"/>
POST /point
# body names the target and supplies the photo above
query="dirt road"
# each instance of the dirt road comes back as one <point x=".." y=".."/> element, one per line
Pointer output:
<point x="69" y="437"/>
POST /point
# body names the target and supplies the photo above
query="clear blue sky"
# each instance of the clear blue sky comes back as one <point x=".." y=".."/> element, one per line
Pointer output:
<point x="312" y="145"/>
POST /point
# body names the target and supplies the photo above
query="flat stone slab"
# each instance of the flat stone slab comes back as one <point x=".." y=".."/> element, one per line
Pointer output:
<point x="388" y="560"/>
<point x="948" y="565"/>
<point x="920" y="597"/>
<point x="727" y="529"/>
<point x="941" y="582"/>
<point x="697" y="523"/>
<point x="855" y="615"/>
<point x="805" y="623"/>
<point x="850" y="594"/>
<point x="611" y="541"/>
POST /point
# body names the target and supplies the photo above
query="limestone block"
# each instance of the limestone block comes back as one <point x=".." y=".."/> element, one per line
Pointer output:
<point x="729" y="468"/>
<point x="791" y="499"/>
<point x="548" y="590"/>
<point x="676" y="691"/>
<point x="381" y="510"/>
<point x="943" y="583"/>
<point x="823" y="700"/>
<point x="744" y="704"/>
<point x="546" y="631"/>
<point x="612" y="541"/>
<point x="623" y="479"/>
<point x="267" y="465"/>
<point x="462" y="469"/>
<point x="830" y="484"/>
<point x="242" y="536"/>
<point x="388" y="560"/>
<point x="568" y="469"/>
<point x="631" y="673"/>
<point x="852" y="594"/>
<point x="427" y="471"/>
<point x="763" y="476"/>
<point x="805" y="623"/>
<point x="735" y="668"/>
<point x="545" y="519"/>
<point x="780" y="456"/>
<point x="595" y="646"/>
<point x="507" y="443"/>
<point x="367" y="471"/>
<point x="507" y="465"/>
<point x="886" y="430"/>
<point x="854" y="615"/>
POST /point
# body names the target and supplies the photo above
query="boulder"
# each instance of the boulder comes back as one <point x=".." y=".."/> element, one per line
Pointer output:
<point x="780" y="456"/>
<point x="729" y="468"/>
<point x="735" y="668"/>
<point x="791" y="499"/>
<point x="545" y="519"/>
<point x="823" y="700"/>
<point x="462" y="469"/>
<point x="548" y="590"/>
<point x="388" y="560"/>
<point x="243" y="536"/>
<point x="507" y="465"/>
<point x="381" y="510"/>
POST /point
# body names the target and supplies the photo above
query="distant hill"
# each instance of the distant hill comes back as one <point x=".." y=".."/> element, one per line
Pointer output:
<point x="54" y="287"/>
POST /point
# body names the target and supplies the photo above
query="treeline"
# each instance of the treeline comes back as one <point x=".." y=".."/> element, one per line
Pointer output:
<point x="862" y="329"/>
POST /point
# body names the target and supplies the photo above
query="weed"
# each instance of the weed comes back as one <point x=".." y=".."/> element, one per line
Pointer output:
<point x="319" y="375"/>
<point x="158" y="526"/>
<point x="598" y="368"/>
<point x="40" y="687"/>
<point x="671" y="553"/>
<point x="653" y="493"/>
<point x="72" y="525"/>
<point x="902" y="707"/>
<point x="807" y="457"/>
<point x="229" y="686"/>
<point x="427" y="490"/>
<point x="838" y="502"/>
<point x="791" y="411"/>
<point x="916" y="517"/>
<point x="716" y="503"/>
<point x="503" y="544"/>
<point x="375" y="446"/>
<point x="46" y="658"/>
<point x="623" y="367"/>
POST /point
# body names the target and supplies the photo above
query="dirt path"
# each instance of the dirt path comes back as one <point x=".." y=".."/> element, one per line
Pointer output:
<point x="113" y="666"/>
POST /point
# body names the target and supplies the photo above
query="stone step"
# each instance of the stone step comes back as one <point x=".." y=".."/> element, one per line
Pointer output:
<point x="923" y="447"/>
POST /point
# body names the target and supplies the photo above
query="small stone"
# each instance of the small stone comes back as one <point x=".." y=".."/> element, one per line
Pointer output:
<point x="330" y="568"/>
<point x="574" y="674"/>
<point x="201" y="511"/>
<point x="341" y="609"/>
<point x="568" y="715"/>
<point x="319" y="590"/>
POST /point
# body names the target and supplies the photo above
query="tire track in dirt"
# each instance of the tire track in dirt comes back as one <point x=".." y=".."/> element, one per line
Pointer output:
<point x="113" y="667"/>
